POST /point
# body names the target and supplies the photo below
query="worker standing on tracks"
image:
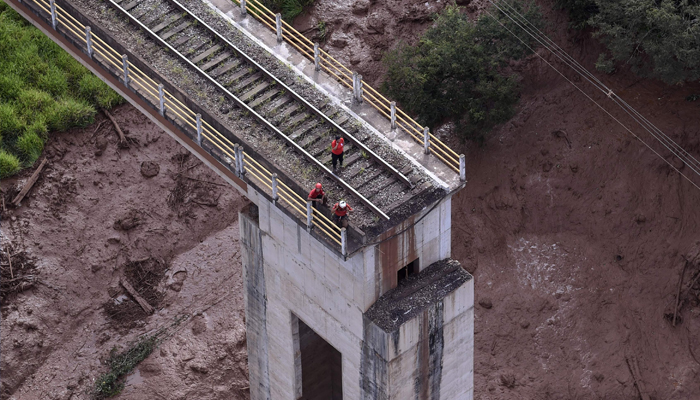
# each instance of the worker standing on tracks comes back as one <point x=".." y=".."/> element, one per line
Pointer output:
<point x="340" y="213"/>
<point x="317" y="195"/>
<point x="337" y="151"/>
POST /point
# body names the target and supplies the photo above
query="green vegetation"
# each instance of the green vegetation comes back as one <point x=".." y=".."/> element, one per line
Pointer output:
<point x="120" y="364"/>
<point x="657" y="38"/>
<point x="457" y="71"/>
<point x="288" y="8"/>
<point x="42" y="89"/>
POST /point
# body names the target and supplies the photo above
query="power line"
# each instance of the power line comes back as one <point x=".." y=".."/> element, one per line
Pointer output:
<point x="667" y="142"/>
<point x="677" y="150"/>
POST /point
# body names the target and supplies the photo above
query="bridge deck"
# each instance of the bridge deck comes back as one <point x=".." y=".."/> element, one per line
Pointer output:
<point x="287" y="134"/>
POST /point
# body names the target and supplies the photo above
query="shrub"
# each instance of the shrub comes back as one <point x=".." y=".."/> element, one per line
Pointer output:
<point x="9" y="164"/>
<point x="580" y="11"/>
<point x="455" y="72"/>
<point x="92" y="89"/>
<point x="289" y="9"/>
<point x="30" y="145"/>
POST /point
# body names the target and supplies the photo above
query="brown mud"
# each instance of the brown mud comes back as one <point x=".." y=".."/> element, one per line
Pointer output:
<point x="150" y="214"/>
<point x="575" y="232"/>
<point x="576" y="235"/>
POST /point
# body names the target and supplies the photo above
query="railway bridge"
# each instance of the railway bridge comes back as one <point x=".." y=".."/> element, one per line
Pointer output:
<point x="377" y="310"/>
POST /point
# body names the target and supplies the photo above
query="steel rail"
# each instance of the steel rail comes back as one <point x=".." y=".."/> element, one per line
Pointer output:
<point x="260" y="118"/>
<point x="298" y="97"/>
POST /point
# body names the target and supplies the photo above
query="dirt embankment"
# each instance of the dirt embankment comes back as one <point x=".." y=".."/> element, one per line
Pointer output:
<point x="575" y="232"/>
<point x="150" y="214"/>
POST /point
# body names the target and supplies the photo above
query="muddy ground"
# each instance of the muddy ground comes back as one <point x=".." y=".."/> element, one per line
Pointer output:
<point x="151" y="214"/>
<point x="575" y="232"/>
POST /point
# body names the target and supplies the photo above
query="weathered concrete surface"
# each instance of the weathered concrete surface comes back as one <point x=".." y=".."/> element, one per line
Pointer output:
<point x="255" y="304"/>
<point x="428" y="352"/>
<point x="419" y="337"/>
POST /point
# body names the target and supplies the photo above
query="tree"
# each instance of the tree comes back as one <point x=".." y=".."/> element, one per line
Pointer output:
<point x="658" y="38"/>
<point x="457" y="72"/>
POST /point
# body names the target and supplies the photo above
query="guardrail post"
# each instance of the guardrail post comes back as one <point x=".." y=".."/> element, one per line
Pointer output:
<point x="199" y="130"/>
<point x="317" y="57"/>
<point x="52" y="5"/>
<point x="309" y="215"/>
<point x="462" y="168"/>
<point x="243" y="10"/>
<point x="357" y="86"/>
<point x="88" y="40"/>
<point x="125" y="66"/>
<point x="393" y="115"/>
<point x="278" y="21"/>
<point x="426" y="140"/>
<point x="236" y="149"/>
<point x="161" y="99"/>
<point x="344" y="242"/>
<point x="241" y="162"/>
<point x="274" y="187"/>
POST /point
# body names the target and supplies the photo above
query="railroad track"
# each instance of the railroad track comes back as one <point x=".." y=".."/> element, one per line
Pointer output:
<point x="305" y="128"/>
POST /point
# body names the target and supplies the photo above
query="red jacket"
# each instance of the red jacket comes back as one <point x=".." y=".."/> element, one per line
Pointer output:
<point x="341" y="211"/>
<point x="339" y="150"/>
<point x="314" y="195"/>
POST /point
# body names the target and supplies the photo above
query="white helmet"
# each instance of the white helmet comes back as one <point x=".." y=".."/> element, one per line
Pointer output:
<point x="342" y="204"/>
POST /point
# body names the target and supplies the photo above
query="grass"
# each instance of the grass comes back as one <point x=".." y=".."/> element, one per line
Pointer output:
<point x="42" y="89"/>
<point x="111" y="383"/>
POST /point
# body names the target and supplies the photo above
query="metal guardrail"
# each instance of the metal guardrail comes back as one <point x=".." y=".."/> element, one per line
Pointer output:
<point x="353" y="81"/>
<point x="164" y="101"/>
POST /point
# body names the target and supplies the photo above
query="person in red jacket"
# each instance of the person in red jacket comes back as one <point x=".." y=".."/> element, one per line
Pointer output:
<point x="337" y="151"/>
<point x="341" y="210"/>
<point x="317" y="195"/>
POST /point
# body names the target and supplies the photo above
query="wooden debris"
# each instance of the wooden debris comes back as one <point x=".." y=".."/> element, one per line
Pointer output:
<point x="122" y="138"/>
<point x="143" y="303"/>
<point x="634" y="369"/>
<point x="678" y="294"/>
<point x="29" y="184"/>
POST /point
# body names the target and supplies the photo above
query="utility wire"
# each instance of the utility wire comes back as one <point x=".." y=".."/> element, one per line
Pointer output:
<point x="679" y="152"/>
<point x="533" y="31"/>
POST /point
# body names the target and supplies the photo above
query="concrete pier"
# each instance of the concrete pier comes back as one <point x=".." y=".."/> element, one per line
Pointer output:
<point x="393" y="321"/>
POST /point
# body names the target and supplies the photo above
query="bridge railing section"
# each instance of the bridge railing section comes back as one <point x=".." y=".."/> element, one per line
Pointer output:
<point x="345" y="76"/>
<point x="166" y="102"/>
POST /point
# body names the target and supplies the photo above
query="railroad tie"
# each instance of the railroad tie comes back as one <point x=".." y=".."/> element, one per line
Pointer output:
<point x="205" y="54"/>
<point x="175" y="30"/>
<point x="251" y="93"/>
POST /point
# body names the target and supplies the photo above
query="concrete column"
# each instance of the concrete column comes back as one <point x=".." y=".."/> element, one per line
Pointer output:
<point x="199" y="129"/>
<point x="88" y="40"/>
<point x="125" y="66"/>
<point x="462" y="168"/>
<point x="278" y="22"/>
<point x="241" y="161"/>
<point x="52" y="6"/>
<point x="426" y="140"/>
<point x="243" y="10"/>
